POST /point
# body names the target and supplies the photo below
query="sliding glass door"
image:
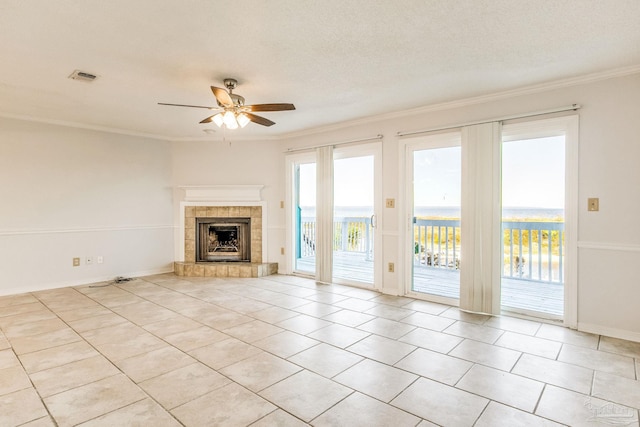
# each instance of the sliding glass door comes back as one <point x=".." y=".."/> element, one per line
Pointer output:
<point x="435" y="198"/>
<point x="304" y="214"/>
<point x="533" y="224"/>
<point x="502" y="238"/>
<point x="349" y="179"/>
<point x="354" y="215"/>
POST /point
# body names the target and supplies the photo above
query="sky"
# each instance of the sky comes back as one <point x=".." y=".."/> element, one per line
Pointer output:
<point x="436" y="177"/>
<point x="532" y="176"/>
<point x="353" y="182"/>
<point x="533" y="173"/>
<point x="307" y="189"/>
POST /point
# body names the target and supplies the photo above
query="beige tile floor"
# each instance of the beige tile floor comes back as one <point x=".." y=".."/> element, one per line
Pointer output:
<point x="285" y="351"/>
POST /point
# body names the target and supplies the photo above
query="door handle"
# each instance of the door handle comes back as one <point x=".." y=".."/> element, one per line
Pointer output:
<point x="373" y="221"/>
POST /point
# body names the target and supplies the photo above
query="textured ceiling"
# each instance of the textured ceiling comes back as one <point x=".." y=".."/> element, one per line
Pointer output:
<point x="336" y="60"/>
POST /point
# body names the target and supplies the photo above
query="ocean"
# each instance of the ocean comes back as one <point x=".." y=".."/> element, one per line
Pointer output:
<point x="443" y="211"/>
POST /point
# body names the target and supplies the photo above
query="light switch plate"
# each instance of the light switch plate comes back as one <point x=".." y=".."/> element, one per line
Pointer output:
<point x="593" y="204"/>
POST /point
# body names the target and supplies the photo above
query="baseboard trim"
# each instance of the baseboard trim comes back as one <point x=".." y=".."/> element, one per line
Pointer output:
<point x="609" y="332"/>
<point x="80" y="282"/>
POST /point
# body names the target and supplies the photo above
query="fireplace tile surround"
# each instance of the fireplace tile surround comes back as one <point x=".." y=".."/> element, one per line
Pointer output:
<point x="256" y="268"/>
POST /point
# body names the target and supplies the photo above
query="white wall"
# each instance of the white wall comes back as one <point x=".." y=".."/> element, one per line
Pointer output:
<point x="608" y="240"/>
<point x="69" y="193"/>
<point x="235" y="163"/>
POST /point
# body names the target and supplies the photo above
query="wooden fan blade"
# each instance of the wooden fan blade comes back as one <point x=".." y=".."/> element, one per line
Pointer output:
<point x="190" y="106"/>
<point x="209" y="119"/>
<point x="222" y="96"/>
<point x="270" y="107"/>
<point x="260" y="120"/>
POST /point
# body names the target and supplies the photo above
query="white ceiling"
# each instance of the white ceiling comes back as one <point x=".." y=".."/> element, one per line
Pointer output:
<point x="336" y="60"/>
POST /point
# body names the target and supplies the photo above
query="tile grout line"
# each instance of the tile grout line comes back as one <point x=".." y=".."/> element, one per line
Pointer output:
<point x="106" y="358"/>
<point x="288" y="292"/>
<point x="33" y="386"/>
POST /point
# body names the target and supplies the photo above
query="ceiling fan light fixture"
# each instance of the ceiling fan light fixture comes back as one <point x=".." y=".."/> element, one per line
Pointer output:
<point x="242" y="119"/>
<point x="218" y="120"/>
<point x="230" y="121"/>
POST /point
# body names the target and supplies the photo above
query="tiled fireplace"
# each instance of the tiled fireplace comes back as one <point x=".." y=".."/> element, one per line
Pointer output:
<point x="223" y="241"/>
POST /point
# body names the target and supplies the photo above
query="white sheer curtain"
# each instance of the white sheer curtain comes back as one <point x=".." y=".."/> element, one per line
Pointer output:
<point x="481" y="213"/>
<point x="324" y="214"/>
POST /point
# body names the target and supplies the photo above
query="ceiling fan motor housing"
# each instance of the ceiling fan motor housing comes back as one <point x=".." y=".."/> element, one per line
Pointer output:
<point x="238" y="101"/>
<point x="230" y="84"/>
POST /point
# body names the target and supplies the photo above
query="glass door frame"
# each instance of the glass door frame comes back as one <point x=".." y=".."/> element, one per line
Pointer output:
<point x="568" y="126"/>
<point x="368" y="149"/>
<point x="351" y="150"/>
<point x="446" y="139"/>
<point x="292" y="161"/>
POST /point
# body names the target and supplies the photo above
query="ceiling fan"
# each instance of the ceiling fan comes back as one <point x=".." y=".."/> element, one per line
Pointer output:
<point x="232" y="110"/>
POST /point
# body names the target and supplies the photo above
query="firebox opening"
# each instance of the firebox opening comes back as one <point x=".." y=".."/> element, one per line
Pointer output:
<point x="223" y="239"/>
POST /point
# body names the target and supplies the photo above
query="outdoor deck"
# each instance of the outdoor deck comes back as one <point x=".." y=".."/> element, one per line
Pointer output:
<point x="518" y="294"/>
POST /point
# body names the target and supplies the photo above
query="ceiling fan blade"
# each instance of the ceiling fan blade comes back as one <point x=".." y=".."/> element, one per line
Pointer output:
<point x="260" y="120"/>
<point x="208" y="119"/>
<point x="270" y="107"/>
<point x="222" y="96"/>
<point x="190" y="106"/>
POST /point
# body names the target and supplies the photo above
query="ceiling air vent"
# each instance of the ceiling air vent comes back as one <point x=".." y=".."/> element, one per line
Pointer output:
<point x="82" y="75"/>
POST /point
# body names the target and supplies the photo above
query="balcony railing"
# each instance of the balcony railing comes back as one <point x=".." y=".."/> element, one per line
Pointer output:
<point x="437" y="243"/>
<point x="350" y="234"/>
<point x="531" y="250"/>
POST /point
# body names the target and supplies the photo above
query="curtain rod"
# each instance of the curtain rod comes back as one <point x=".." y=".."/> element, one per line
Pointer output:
<point x="500" y="119"/>
<point x="379" y="136"/>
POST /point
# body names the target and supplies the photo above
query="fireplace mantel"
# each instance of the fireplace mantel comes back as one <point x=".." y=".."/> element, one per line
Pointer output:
<point x="220" y="193"/>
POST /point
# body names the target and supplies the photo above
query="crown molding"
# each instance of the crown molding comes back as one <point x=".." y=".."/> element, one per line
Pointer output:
<point x="227" y="138"/>
<point x="107" y="129"/>
<point x="84" y="126"/>
<point x="448" y="105"/>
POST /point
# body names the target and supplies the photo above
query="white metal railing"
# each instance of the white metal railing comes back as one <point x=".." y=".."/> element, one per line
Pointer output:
<point x="350" y="234"/>
<point x="437" y="243"/>
<point x="531" y="250"/>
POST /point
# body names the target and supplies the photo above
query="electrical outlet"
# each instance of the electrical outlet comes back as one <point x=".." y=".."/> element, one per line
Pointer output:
<point x="281" y="251"/>
<point x="99" y="259"/>
<point x="76" y="262"/>
<point x="392" y="267"/>
<point x="593" y="204"/>
<point x="281" y="204"/>
<point x="88" y="260"/>
<point x="390" y="203"/>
